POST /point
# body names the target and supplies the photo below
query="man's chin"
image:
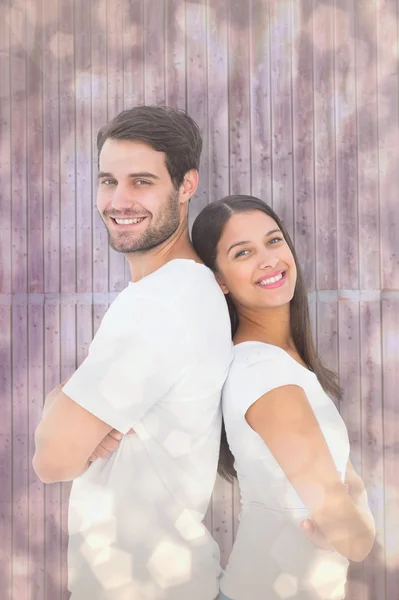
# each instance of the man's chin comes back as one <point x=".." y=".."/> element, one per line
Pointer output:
<point x="123" y="246"/>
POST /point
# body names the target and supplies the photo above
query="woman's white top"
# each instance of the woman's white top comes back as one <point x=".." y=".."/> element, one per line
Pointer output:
<point x="272" y="559"/>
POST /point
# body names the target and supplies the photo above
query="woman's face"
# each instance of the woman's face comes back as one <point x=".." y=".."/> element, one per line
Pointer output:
<point x="255" y="264"/>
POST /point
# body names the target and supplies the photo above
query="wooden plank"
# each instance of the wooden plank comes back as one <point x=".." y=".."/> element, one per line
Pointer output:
<point x="325" y="184"/>
<point x="52" y="377"/>
<point x="197" y="85"/>
<point x="114" y="106"/>
<point x="20" y="509"/>
<point x="66" y="60"/>
<point x="175" y="55"/>
<point x="35" y="147"/>
<point x="222" y="518"/>
<point x="5" y="156"/>
<point x="346" y="145"/>
<point x="68" y="366"/>
<point x="51" y="152"/>
<point x="18" y="147"/>
<point x="68" y="229"/>
<point x="373" y="440"/>
<point x="133" y="53"/>
<point x="367" y="135"/>
<point x="260" y="100"/>
<point x="218" y="142"/>
<point x="387" y="20"/>
<point x="327" y="329"/>
<point x="36" y="529"/>
<point x="154" y="52"/>
<point x="99" y="118"/>
<point x="281" y="110"/>
<point x="6" y="466"/>
<point x="303" y="142"/>
<point x="20" y="454"/>
<point x="351" y="408"/>
<point x="390" y="382"/>
<point x="239" y="97"/>
<point x="84" y="195"/>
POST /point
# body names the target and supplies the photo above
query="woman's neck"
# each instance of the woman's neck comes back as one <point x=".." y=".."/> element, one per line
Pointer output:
<point x="270" y="326"/>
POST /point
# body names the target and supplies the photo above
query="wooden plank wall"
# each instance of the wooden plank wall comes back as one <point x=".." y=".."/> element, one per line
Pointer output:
<point x="298" y="104"/>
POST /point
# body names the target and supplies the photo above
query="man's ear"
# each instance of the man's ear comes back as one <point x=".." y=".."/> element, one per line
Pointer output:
<point x="188" y="186"/>
<point x="222" y="285"/>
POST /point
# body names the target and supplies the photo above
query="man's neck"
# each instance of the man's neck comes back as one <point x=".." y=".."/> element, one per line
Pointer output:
<point x="144" y="263"/>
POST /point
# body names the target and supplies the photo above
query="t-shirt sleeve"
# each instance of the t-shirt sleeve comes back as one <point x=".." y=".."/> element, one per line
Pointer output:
<point x="261" y="374"/>
<point x="134" y="360"/>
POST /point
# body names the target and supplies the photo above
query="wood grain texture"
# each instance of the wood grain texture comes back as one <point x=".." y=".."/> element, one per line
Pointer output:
<point x="5" y="154"/>
<point x="298" y="104"/>
<point x="84" y="134"/>
<point x="324" y="140"/>
<point x="303" y="143"/>
<point x="154" y="52"/>
<point x="346" y="145"/>
<point x="98" y="119"/>
<point x="36" y="520"/>
<point x="281" y="110"/>
<point x="239" y="98"/>
<point x="390" y="381"/>
<point x="260" y="100"/>
<point x="6" y="455"/>
<point x="197" y="81"/>
<point x="51" y="151"/>
<point x="372" y="436"/>
<point x="387" y="23"/>
<point x="52" y="377"/>
<point x="367" y="135"/>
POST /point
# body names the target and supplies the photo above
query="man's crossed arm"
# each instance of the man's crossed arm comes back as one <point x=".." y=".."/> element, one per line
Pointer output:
<point x="68" y="438"/>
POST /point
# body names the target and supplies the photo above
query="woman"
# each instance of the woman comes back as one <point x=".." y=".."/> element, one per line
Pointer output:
<point x="290" y="444"/>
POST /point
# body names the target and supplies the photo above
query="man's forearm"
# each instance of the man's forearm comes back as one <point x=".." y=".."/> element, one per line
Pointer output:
<point x="51" y="396"/>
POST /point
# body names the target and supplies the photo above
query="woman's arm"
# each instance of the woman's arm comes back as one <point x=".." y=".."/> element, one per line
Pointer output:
<point x="285" y="420"/>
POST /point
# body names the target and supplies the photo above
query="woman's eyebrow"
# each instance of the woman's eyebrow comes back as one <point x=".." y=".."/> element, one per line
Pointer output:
<point x="247" y="241"/>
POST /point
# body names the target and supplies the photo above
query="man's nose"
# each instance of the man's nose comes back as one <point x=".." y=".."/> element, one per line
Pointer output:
<point x="122" y="198"/>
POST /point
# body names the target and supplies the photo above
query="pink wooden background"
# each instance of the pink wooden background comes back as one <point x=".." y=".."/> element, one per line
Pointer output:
<point x="298" y="103"/>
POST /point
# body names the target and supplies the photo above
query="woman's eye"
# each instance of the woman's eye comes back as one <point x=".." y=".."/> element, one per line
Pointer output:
<point x="241" y="253"/>
<point x="275" y="240"/>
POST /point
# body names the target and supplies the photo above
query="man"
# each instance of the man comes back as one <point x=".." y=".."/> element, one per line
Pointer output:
<point x="157" y="365"/>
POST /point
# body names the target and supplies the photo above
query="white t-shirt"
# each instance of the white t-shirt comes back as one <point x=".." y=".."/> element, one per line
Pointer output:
<point x="157" y="363"/>
<point x="271" y="557"/>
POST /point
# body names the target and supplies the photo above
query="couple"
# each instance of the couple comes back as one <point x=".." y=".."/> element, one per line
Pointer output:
<point x="156" y="369"/>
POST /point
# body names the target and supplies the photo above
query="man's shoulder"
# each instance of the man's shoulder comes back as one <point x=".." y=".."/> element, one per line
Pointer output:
<point x="178" y="278"/>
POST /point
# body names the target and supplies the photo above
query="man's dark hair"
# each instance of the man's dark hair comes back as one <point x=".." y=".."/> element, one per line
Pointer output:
<point x="164" y="129"/>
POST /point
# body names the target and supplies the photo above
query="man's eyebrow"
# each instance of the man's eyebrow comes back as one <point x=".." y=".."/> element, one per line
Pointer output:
<point x="131" y="175"/>
<point x="247" y="241"/>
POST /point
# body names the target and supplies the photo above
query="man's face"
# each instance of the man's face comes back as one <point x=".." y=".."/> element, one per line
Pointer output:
<point x="136" y="198"/>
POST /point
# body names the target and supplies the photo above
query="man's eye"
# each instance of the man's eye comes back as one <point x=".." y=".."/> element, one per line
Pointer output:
<point x="108" y="182"/>
<point x="142" y="182"/>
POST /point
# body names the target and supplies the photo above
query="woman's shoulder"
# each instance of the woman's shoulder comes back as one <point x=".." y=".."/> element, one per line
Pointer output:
<point x="247" y="354"/>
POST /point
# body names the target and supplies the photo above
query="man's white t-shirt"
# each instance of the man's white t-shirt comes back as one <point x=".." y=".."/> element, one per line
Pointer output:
<point x="272" y="558"/>
<point x="157" y="364"/>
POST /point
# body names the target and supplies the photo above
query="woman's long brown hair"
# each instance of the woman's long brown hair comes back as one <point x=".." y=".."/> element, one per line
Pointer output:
<point x="207" y="230"/>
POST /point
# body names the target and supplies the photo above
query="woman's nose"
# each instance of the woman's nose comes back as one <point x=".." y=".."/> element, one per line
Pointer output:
<point x="268" y="260"/>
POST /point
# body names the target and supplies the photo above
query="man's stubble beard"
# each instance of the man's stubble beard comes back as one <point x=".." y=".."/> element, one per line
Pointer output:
<point x="152" y="236"/>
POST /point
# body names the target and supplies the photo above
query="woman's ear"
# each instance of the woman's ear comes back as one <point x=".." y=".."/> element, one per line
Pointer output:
<point x="222" y="285"/>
